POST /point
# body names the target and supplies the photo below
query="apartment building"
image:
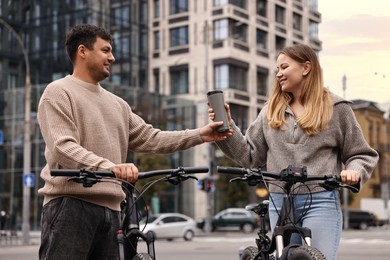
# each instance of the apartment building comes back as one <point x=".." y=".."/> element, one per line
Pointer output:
<point x="198" y="46"/>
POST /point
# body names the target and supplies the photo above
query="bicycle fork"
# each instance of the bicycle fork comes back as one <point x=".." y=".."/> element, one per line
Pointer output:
<point x="286" y="227"/>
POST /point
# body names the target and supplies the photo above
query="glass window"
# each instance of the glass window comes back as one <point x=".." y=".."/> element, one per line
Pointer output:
<point x="221" y="29"/>
<point x="313" y="5"/>
<point x="178" y="6"/>
<point x="261" y="39"/>
<point x="239" y="3"/>
<point x="280" y="43"/>
<point x="220" y="2"/>
<point x="156" y="10"/>
<point x="313" y="29"/>
<point x="179" y="81"/>
<point x="179" y="36"/>
<point x="156" y="75"/>
<point x="238" y="30"/>
<point x="240" y="115"/>
<point x="157" y="40"/>
<point x="279" y="14"/>
<point x="261" y="8"/>
<point x="230" y="76"/>
<point x="262" y="81"/>
<point x="121" y="16"/>
<point x="297" y="22"/>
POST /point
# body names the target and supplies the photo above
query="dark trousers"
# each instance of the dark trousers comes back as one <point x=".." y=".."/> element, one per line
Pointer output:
<point x="75" y="229"/>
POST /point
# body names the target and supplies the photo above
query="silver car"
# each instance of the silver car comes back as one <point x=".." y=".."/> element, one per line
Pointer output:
<point x="169" y="226"/>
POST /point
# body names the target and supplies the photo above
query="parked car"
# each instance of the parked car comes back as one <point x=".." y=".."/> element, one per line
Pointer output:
<point x="232" y="219"/>
<point x="170" y="225"/>
<point x="360" y="219"/>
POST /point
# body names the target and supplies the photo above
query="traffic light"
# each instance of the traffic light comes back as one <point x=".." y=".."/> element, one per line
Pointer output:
<point x="206" y="184"/>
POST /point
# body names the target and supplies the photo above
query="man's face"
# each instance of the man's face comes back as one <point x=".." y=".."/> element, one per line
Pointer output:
<point x="99" y="59"/>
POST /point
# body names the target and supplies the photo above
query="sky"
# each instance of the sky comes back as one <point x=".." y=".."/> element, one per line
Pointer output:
<point x="355" y="37"/>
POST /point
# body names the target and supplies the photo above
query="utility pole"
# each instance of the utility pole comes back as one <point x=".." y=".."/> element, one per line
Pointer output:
<point x="345" y="191"/>
<point x="27" y="137"/>
<point x="211" y="149"/>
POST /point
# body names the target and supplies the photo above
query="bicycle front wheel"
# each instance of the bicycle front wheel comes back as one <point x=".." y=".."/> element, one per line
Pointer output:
<point x="251" y="252"/>
<point x="306" y="253"/>
<point x="142" y="256"/>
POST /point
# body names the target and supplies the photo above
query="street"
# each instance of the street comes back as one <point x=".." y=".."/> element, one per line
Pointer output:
<point x="373" y="244"/>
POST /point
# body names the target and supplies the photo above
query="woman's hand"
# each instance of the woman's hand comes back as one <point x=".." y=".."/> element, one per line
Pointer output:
<point x="350" y="177"/>
<point x="212" y="114"/>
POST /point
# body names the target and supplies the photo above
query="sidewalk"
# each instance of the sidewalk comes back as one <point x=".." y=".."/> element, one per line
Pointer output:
<point x="8" y="239"/>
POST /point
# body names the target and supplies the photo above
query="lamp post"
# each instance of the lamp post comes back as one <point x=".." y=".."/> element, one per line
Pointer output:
<point x="27" y="137"/>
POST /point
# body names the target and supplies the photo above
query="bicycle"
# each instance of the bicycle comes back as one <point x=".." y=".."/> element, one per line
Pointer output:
<point x="278" y="247"/>
<point x="130" y="233"/>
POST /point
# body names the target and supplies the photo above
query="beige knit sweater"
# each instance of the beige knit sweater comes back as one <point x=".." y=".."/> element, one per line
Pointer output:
<point x="85" y="126"/>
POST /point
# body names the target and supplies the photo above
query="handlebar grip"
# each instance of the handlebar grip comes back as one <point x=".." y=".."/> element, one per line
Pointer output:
<point x="231" y="170"/>
<point x="190" y="170"/>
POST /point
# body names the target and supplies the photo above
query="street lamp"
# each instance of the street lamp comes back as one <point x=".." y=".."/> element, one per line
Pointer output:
<point x="27" y="137"/>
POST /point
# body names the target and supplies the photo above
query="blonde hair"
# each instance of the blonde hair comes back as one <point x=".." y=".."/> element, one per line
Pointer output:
<point x="315" y="98"/>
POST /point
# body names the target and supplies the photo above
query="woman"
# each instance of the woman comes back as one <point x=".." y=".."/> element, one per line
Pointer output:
<point x="303" y="124"/>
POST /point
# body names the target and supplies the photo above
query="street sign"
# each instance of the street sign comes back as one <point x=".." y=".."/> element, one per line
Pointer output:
<point x="28" y="180"/>
<point x="1" y="137"/>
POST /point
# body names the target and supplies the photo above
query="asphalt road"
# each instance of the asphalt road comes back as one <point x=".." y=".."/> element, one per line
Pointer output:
<point x="372" y="244"/>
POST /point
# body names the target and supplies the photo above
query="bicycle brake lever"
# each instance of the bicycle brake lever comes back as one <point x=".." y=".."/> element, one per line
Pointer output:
<point x="237" y="179"/>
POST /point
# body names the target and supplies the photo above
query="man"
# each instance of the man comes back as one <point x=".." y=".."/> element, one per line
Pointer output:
<point x="85" y="126"/>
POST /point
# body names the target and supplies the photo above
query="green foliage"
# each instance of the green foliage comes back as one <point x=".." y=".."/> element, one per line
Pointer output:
<point x="234" y="194"/>
<point x="151" y="162"/>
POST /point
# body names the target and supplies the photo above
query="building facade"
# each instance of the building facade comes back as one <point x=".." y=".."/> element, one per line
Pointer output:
<point x="199" y="46"/>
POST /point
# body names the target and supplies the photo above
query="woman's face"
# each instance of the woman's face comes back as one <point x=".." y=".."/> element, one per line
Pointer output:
<point x="290" y="74"/>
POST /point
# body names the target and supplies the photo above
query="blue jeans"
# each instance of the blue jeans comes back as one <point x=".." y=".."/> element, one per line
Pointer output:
<point x="75" y="229"/>
<point x="324" y="218"/>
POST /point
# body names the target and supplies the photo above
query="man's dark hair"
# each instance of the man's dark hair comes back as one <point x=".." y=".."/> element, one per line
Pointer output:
<point x="85" y="34"/>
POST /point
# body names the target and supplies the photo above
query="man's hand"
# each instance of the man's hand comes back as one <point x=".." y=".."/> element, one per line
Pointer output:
<point x="209" y="133"/>
<point x="125" y="171"/>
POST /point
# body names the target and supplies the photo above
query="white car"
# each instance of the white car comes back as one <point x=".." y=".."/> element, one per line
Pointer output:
<point x="169" y="226"/>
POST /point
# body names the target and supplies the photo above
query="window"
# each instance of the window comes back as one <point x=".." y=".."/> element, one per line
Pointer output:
<point x="230" y="76"/>
<point x="297" y="22"/>
<point x="261" y="8"/>
<point x="157" y="40"/>
<point x="121" y="16"/>
<point x="239" y="3"/>
<point x="178" y="6"/>
<point x="280" y="43"/>
<point x="313" y="29"/>
<point x="221" y="29"/>
<point x="156" y="77"/>
<point x="261" y="39"/>
<point x="156" y="9"/>
<point x="279" y="14"/>
<point x="224" y="28"/>
<point x="262" y="81"/>
<point x="238" y="30"/>
<point x="179" y="36"/>
<point x="313" y="5"/>
<point x="179" y="80"/>
<point x="121" y="46"/>
<point x="240" y="115"/>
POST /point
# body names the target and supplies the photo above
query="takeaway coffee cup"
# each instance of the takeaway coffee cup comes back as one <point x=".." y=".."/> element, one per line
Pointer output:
<point x="217" y="103"/>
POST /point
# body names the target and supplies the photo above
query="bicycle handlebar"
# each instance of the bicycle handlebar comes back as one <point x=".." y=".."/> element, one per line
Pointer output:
<point x="290" y="175"/>
<point x="90" y="177"/>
